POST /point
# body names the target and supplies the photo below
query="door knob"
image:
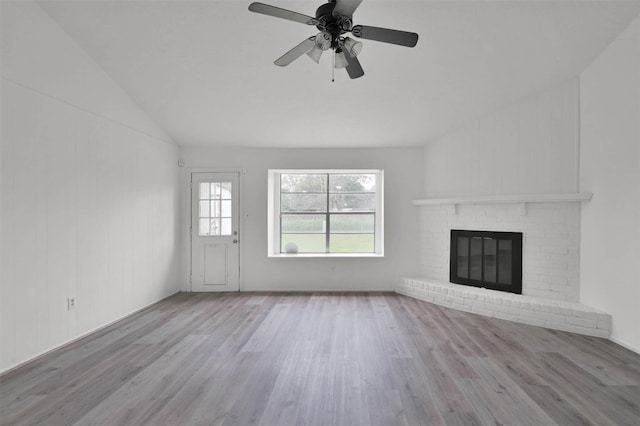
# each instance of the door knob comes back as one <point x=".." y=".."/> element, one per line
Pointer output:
<point x="235" y="241"/>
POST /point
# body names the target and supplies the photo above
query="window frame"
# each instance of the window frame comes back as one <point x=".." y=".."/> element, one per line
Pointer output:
<point x="274" y="213"/>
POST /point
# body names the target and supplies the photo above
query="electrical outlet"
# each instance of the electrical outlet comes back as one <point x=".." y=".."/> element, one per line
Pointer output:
<point x="71" y="303"/>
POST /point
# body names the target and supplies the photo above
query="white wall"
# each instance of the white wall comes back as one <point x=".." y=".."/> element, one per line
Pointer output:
<point x="525" y="148"/>
<point x="89" y="190"/>
<point x="610" y="168"/>
<point x="403" y="171"/>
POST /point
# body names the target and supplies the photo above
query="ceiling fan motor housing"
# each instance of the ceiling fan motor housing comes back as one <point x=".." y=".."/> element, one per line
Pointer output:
<point x="336" y="26"/>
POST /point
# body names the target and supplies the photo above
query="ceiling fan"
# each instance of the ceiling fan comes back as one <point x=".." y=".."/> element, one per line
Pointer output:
<point x="334" y="19"/>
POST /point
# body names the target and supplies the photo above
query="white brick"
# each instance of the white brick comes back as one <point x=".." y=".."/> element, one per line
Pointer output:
<point x="527" y="309"/>
<point x="500" y="308"/>
<point x="461" y="307"/>
<point x="475" y="303"/>
<point x="582" y="322"/>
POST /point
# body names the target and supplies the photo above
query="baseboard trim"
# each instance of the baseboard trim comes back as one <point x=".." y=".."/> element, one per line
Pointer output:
<point x="625" y="345"/>
<point x="82" y="336"/>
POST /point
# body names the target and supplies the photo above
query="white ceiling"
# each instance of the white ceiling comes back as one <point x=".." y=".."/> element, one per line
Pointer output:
<point x="203" y="70"/>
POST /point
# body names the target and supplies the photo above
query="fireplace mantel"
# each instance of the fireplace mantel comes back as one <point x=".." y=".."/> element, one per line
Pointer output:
<point x="521" y="199"/>
<point x="500" y="199"/>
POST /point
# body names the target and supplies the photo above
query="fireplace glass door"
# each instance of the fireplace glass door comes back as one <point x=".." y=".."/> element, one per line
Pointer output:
<point x="487" y="259"/>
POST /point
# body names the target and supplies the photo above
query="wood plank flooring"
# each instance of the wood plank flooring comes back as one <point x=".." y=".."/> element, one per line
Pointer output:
<point x="323" y="359"/>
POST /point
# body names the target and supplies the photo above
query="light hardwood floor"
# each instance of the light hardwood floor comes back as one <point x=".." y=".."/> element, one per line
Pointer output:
<point x="323" y="359"/>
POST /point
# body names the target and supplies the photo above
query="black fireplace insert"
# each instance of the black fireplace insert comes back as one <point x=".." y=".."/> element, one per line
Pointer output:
<point x="487" y="259"/>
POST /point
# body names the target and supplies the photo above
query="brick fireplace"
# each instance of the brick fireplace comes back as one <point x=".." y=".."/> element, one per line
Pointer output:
<point x="550" y="227"/>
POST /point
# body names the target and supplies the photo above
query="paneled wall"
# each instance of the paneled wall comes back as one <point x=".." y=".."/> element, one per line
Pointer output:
<point x="610" y="168"/>
<point x="89" y="201"/>
<point x="526" y="148"/>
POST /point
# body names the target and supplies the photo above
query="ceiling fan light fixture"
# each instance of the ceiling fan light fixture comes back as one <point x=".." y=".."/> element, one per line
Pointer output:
<point x="354" y="47"/>
<point x="341" y="60"/>
<point x="315" y="54"/>
<point x="334" y="19"/>
<point x="323" y="40"/>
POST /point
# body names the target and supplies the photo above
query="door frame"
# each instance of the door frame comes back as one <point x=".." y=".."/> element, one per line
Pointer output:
<point x="241" y="171"/>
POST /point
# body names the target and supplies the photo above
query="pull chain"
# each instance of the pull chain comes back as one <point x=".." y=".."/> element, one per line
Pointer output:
<point x="333" y="69"/>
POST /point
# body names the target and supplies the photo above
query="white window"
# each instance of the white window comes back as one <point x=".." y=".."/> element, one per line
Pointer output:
<point x="325" y="213"/>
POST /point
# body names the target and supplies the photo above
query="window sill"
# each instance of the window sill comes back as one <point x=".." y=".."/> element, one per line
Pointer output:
<point x="326" y="256"/>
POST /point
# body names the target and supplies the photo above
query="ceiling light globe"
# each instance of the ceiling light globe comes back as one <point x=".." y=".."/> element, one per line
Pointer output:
<point x="354" y="47"/>
<point x="315" y="54"/>
<point x="341" y="60"/>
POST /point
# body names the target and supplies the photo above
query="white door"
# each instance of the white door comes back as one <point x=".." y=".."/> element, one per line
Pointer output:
<point x="215" y="241"/>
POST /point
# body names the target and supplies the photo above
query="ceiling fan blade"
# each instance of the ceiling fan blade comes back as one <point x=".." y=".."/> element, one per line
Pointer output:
<point x="401" y="38"/>
<point x="354" y="69"/>
<point x="346" y="7"/>
<point x="277" y="12"/>
<point x="296" y="52"/>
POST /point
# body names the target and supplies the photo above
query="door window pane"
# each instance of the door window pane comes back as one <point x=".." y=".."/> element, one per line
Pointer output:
<point x="204" y="191"/>
<point x="204" y="208"/>
<point x="215" y="209"/>
<point x="204" y="227"/>
<point x="225" y="228"/>
<point x="225" y="190"/>
<point x="215" y="226"/>
<point x="215" y="190"/>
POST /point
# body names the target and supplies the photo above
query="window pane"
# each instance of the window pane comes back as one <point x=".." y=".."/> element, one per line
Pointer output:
<point x="307" y="243"/>
<point x="303" y="203"/>
<point x="351" y="243"/>
<point x="352" y="183"/>
<point x="203" y="228"/>
<point x="225" y="226"/>
<point x="303" y="223"/>
<point x="226" y="208"/>
<point x="204" y="208"/>
<point x="215" y="226"/>
<point x="204" y="190"/>
<point x="327" y="211"/>
<point x="215" y="190"/>
<point x="305" y="183"/>
<point x="225" y="190"/>
<point x="352" y="202"/>
<point x="352" y="223"/>
<point x="215" y="209"/>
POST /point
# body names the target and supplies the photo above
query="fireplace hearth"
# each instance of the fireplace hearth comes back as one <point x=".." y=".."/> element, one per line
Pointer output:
<point x="487" y="259"/>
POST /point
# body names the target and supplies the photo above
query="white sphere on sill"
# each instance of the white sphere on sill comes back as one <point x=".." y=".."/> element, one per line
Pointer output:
<point x="291" y="248"/>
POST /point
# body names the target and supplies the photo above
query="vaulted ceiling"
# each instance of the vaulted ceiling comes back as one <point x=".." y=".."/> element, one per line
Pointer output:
<point x="203" y="70"/>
